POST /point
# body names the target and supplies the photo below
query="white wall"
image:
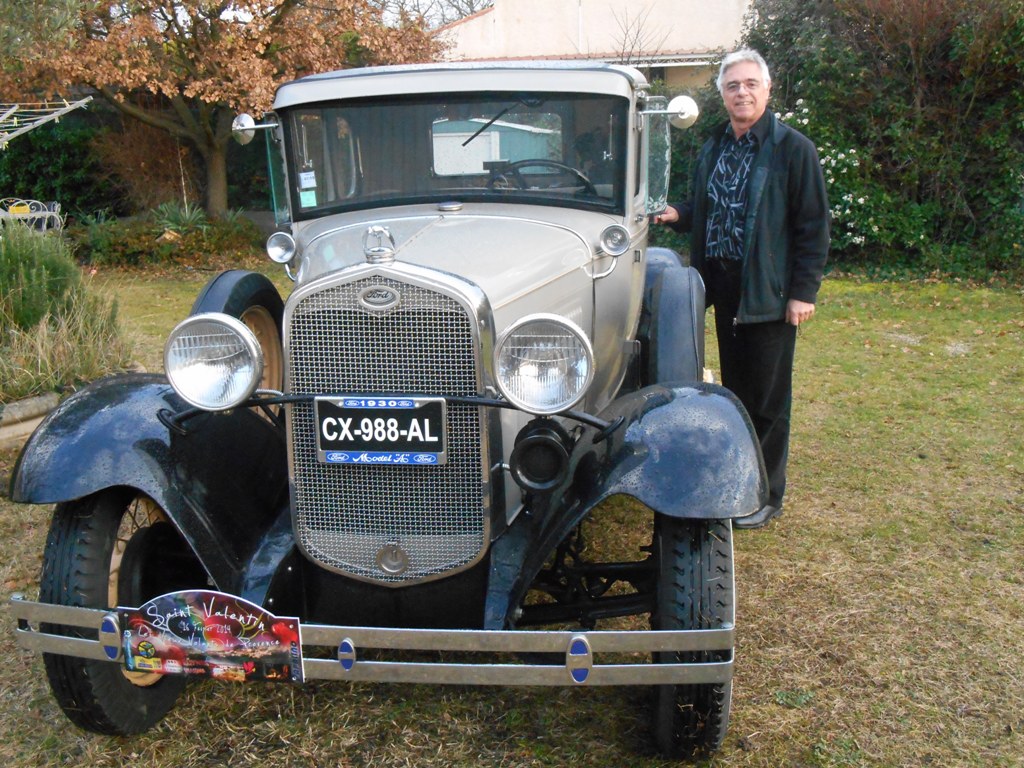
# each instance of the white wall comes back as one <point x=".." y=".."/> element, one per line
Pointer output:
<point x="514" y="29"/>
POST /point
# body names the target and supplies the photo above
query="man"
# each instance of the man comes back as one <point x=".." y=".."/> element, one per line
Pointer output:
<point x="758" y="220"/>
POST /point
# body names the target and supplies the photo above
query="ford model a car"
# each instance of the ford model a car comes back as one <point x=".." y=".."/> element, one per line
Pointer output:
<point x="479" y="350"/>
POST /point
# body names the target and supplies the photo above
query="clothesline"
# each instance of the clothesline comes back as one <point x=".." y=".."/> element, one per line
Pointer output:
<point x="16" y="119"/>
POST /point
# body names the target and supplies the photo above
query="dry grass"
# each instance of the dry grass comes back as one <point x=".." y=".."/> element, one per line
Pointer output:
<point x="881" y="621"/>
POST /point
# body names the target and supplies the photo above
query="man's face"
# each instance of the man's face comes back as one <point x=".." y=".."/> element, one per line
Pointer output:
<point x="745" y="94"/>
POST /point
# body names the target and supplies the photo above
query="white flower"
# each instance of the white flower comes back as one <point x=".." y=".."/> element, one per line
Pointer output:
<point x="860" y="200"/>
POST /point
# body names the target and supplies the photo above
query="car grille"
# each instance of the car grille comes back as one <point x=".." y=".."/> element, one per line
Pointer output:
<point x="348" y="517"/>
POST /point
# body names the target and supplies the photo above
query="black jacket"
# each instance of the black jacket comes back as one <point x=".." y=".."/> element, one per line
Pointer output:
<point x="786" y="236"/>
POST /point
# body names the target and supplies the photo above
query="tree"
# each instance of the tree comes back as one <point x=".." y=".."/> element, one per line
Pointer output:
<point x="188" y="66"/>
<point x="436" y="12"/>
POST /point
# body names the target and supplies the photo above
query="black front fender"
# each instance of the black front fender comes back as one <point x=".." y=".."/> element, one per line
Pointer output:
<point x="223" y="483"/>
<point x="683" y="451"/>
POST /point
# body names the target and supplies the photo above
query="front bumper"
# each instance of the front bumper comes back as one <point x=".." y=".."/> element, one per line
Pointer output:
<point x="492" y="652"/>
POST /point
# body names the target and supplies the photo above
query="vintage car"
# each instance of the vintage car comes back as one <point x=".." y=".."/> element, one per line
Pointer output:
<point x="385" y="476"/>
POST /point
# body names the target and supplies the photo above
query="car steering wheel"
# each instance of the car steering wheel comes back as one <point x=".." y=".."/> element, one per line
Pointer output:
<point x="511" y="171"/>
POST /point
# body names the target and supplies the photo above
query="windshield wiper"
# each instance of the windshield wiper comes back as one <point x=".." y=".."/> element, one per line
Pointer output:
<point x="488" y="124"/>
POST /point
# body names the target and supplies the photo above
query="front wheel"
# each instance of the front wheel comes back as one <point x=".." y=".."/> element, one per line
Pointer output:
<point x="695" y="590"/>
<point x="113" y="548"/>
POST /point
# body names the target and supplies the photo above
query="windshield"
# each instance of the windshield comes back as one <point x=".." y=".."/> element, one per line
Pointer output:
<point x="539" y="148"/>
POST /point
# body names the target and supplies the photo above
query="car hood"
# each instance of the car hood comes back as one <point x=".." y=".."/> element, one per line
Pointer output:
<point x="506" y="256"/>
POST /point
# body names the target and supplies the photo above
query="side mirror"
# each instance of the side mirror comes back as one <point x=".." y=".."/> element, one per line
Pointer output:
<point x="683" y="112"/>
<point x="243" y="128"/>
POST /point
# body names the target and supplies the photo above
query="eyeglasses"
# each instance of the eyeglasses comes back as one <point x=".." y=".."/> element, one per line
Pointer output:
<point x="733" y="86"/>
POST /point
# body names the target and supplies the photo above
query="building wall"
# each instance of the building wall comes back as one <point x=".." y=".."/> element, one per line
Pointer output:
<point x="684" y="37"/>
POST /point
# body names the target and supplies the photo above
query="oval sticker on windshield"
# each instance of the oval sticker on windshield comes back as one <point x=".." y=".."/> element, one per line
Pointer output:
<point x="379" y="297"/>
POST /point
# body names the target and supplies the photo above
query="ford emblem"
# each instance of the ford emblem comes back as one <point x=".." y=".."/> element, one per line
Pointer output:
<point x="379" y="297"/>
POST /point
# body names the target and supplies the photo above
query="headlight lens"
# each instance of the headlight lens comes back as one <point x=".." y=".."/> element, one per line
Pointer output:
<point x="281" y="247"/>
<point x="615" y="240"/>
<point x="213" y="361"/>
<point x="544" y="364"/>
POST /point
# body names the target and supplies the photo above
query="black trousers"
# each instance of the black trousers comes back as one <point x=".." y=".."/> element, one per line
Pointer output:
<point x="757" y="365"/>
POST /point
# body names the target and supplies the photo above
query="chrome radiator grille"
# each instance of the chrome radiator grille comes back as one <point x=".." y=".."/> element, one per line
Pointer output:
<point x="352" y="518"/>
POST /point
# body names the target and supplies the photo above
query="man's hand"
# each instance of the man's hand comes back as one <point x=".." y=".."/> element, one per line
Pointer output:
<point x="798" y="312"/>
<point x="669" y="216"/>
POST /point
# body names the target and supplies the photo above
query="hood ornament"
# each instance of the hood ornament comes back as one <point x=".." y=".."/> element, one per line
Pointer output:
<point x="379" y="245"/>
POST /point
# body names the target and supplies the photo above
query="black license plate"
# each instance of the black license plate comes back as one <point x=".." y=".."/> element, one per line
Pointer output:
<point x="368" y="430"/>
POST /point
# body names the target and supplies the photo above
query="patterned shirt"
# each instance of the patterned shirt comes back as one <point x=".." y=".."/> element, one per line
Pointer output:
<point x="727" y="195"/>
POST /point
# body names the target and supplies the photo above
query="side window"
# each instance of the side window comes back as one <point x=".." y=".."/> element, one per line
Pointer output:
<point x="278" y="183"/>
<point x="656" y="157"/>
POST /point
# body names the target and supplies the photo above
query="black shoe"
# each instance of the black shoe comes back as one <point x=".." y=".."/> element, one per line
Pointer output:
<point x="759" y="519"/>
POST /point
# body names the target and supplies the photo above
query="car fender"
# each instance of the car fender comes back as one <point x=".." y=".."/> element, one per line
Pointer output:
<point x="222" y="479"/>
<point x="686" y="451"/>
<point x="672" y="322"/>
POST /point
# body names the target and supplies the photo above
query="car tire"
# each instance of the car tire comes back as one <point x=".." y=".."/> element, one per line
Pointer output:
<point x="695" y="590"/>
<point x="112" y="548"/>
<point x="253" y="299"/>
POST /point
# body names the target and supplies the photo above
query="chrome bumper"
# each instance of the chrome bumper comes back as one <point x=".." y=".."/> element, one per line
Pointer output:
<point x="579" y="650"/>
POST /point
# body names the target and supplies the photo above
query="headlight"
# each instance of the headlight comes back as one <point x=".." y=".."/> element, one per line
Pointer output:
<point x="281" y="247"/>
<point x="544" y="364"/>
<point x="615" y="240"/>
<point x="213" y="361"/>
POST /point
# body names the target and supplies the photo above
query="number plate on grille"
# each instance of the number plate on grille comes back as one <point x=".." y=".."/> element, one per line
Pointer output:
<point x="380" y="430"/>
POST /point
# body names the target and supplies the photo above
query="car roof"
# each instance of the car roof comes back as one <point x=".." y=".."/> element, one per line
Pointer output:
<point x="539" y="75"/>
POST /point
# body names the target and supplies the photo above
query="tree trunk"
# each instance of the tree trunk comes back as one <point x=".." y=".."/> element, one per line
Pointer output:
<point x="216" y="161"/>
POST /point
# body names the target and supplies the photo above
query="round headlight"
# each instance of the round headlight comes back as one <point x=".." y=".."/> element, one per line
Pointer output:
<point x="281" y="247"/>
<point x="544" y="364"/>
<point x="213" y="361"/>
<point x="615" y="240"/>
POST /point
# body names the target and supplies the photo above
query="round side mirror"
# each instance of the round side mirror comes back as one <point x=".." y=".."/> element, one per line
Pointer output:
<point x="243" y="128"/>
<point x="683" y="112"/>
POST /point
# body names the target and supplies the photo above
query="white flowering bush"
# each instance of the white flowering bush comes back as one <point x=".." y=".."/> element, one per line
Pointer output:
<point x="863" y="214"/>
<point x="914" y="107"/>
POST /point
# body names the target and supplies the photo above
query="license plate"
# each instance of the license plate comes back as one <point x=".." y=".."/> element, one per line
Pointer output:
<point x="407" y="431"/>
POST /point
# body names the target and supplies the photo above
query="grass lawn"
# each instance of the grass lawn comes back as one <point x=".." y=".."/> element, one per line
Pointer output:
<point x="880" y="621"/>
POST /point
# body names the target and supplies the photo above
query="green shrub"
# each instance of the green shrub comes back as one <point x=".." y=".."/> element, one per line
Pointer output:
<point x="180" y="218"/>
<point x="172" y="234"/>
<point x="37" y="276"/>
<point x="125" y="242"/>
<point x="58" y="162"/>
<point x="54" y="334"/>
<point x="914" y="106"/>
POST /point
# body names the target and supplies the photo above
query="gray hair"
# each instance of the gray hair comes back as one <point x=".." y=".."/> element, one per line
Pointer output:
<point x="744" y="54"/>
